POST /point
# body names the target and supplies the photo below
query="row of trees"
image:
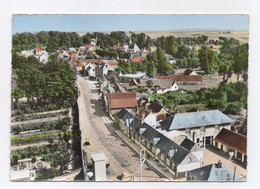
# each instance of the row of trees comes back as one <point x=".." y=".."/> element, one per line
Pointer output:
<point x="52" y="40"/>
<point x="46" y="86"/>
<point x="55" y="39"/>
<point x="231" y="59"/>
<point x="227" y="97"/>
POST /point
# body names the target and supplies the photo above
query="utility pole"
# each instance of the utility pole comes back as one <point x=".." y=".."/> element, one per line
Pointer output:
<point x="141" y="162"/>
<point x="234" y="176"/>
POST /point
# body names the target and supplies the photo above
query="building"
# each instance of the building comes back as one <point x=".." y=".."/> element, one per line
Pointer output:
<point x="189" y="72"/>
<point x="174" y="87"/>
<point x="22" y="175"/>
<point x="136" y="60"/>
<point x="233" y="143"/>
<point x="90" y="70"/>
<point x="177" y="159"/>
<point x="201" y="126"/>
<point x="182" y="79"/>
<point x="117" y="101"/>
<point x="214" y="172"/>
<point x="99" y="161"/>
<point x="43" y="58"/>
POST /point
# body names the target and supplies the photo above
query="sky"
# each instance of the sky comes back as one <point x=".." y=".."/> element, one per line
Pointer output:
<point x="134" y="22"/>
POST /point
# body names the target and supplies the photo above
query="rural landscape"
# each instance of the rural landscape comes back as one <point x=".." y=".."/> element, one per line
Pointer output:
<point x="129" y="106"/>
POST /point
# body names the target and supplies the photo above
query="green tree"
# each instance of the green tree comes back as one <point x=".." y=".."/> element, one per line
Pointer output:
<point x="161" y="64"/>
<point x="150" y="68"/>
<point x="207" y="59"/>
<point x="124" y="67"/>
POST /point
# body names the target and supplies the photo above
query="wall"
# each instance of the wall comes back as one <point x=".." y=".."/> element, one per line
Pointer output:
<point x="209" y="131"/>
<point x="100" y="171"/>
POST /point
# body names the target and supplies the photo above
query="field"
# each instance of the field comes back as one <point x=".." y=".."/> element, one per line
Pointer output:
<point x="242" y="36"/>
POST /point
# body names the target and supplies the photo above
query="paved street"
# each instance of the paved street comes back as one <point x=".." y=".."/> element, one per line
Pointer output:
<point x="121" y="158"/>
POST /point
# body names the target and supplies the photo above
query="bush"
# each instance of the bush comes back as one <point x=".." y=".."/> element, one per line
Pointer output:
<point x="44" y="126"/>
<point x="47" y="175"/>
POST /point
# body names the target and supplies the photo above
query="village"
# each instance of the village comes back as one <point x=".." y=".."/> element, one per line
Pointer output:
<point x="141" y="105"/>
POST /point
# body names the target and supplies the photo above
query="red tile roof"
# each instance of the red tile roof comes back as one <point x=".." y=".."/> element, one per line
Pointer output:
<point x="141" y="113"/>
<point x="116" y="47"/>
<point x="95" y="61"/>
<point x="89" y="45"/>
<point x="160" y="117"/>
<point x="73" y="61"/>
<point x="136" y="60"/>
<point x="121" y="100"/>
<point x="113" y="63"/>
<point x="38" y="49"/>
<point x="184" y="78"/>
<point x="187" y="72"/>
<point x="232" y="140"/>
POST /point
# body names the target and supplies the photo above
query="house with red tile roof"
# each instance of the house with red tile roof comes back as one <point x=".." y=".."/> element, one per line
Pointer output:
<point x="95" y="61"/>
<point x="182" y="78"/>
<point x="117" y="101"/>
<point x="116" y="47"/>
<point x="136" y="60"/>
<point x="233" y="143"/>
<point x="38" y="51"/>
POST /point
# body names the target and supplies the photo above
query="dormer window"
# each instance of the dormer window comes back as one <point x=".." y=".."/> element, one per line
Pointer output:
<point x="187" y="131"/>
<point x="202" y="130"/>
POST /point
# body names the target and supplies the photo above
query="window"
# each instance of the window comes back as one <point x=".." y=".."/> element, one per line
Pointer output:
<point x="187" y="131"/>
<point x="216" y="127"/>
<point x="189" y="160"/>
<point x="202" y="130"/>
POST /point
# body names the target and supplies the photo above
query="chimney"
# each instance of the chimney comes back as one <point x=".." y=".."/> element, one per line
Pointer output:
<point x="219" y="164"/>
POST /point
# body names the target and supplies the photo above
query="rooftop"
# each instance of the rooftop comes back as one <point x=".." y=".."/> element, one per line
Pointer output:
<point x="232" y="140"/>
<point x="214" y="172"/>
<point x="121" y="100"/>
<point x="195" y="119"/>
<point x="182" y="78"/>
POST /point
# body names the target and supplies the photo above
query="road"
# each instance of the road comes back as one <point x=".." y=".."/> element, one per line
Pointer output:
<point x="122" y="159"/>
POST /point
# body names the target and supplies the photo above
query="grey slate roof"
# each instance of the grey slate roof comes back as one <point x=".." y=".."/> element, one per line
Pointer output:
<point x="150" y="133"/>
<point x="187" y="144"/>
<point x="212" y="173"/>
<point x="125" y="116"/>
<point x="165" y="144"/>
<point x="136" y="124"/>
<point x="195" y="119"/>
<point x="121" y="113"/>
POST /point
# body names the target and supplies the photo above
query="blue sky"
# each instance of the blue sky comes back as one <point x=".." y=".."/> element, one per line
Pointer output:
<point x="35" y="23"/>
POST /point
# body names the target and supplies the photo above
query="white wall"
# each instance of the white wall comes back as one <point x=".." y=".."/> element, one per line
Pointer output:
<point x="100" y="171"/>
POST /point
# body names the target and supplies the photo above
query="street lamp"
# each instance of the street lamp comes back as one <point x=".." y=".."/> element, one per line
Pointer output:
<point x="141" y="162"/>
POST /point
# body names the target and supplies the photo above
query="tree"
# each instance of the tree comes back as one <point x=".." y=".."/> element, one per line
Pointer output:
<point x="150" y="68"/>
<point x="182" y="52"/>
<point x="161" y="64"/>
<point x="224" y="70"/>
<point x="124" y="67"/>
<point x="207" y="59"/>
<point x="241" y="64"/>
